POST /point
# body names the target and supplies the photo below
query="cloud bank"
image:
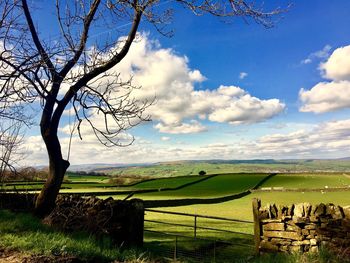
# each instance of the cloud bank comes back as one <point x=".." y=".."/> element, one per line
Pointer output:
<point x="328" y="140"/>
<point x="334" y="94"/>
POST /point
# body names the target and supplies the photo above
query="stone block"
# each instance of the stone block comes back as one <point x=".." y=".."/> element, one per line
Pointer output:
<point x="313" y="242"/>
<point x="333" y="211"/>
<point x="313" y="249"/>
<point x="280" y="241"/>
<point x="284" y="248"/>
<point x="284" y="234"/>
<point x="310" y="227"/>
<point x="273" y="226"/>
<point x="302" y="242"/>
<point x="307" y="209"/>
<point x="264" y="238"/>
<point x="313" y="232"/>
<point x="296" y="249"/>
<point x="313" y="219"/>
<point x="300" y="220"/>
<point x="267" y="246"/>
<point x="305" y="232"/>
<point x="320" y="210"/>
<point x="266" y="221"/>
<point x="346" y="210"/>
<point x="299" y="210"/>
<point x="329" y="209"/>
<point x="292" y="227"/>
<point x="338" y="212"/>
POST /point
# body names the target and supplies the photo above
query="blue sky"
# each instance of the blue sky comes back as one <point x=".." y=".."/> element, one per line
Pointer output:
<point x="248" y="92"/>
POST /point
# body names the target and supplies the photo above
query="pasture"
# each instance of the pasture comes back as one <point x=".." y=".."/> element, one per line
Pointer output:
<point x="314" y="188"/>
<point x="282" y="188"/>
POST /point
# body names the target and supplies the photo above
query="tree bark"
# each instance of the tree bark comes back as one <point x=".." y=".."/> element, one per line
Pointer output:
<point x="45" y="201"/>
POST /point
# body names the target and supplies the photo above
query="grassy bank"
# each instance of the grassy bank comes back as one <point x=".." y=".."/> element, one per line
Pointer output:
<point x="24" y="232"/>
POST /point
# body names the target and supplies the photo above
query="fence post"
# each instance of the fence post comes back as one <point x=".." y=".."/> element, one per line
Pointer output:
<point x="257" y="225"/>
<point x="175" y="249"/>
<point x="214" y="251"/>
<point x="195" y="226"/>
<point x="135" y="215"/>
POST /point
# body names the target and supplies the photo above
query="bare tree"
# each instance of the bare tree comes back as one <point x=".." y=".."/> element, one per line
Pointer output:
<point x="11" y="135"/>
<point x="73" y="69"/>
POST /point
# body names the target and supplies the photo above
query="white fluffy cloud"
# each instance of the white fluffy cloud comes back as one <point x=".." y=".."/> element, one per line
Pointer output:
<point x="332" y="95"/>
<point x="166" y="76"/>
<point x="330" y="139"/>
<point x="182" y="128"/>
<point x="327" y="140"/>
<point x="325" y="97"/>
<point x="247" y="109"/>
<point x="337" y="67"/>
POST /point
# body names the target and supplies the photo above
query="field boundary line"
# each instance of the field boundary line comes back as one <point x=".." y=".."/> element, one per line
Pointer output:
<point x="193" y="201"/>
<point x="153" y="179"/>
<point x="329" y="189"/>
<point x="143" y="191"/>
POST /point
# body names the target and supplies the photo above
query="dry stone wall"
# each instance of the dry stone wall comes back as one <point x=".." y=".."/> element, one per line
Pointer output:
<point x="17" y="202"/>
<point x="301" y="227"/>
<point x="122" y="221"/>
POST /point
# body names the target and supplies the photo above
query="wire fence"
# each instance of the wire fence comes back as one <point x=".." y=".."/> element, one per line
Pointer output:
<point x="197" y="238"/>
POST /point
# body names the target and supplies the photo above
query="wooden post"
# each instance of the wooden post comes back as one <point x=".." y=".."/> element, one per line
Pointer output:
<point x="135" y="221"/>
<point x="257" y="224"/>
<point x="195" y="226"/>
<point x="214" y="251"/>
<point x="175" y="249"/>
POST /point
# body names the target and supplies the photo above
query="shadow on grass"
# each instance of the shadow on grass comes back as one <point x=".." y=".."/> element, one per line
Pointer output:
<point x="26" y="233"/>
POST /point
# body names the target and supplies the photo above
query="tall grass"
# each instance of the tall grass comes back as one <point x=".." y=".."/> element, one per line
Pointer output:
<point x="323" y="256"/>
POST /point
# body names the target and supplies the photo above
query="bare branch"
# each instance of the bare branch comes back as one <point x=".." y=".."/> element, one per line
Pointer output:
<point x="87" y="22"/>
<point x="37" y="42"/>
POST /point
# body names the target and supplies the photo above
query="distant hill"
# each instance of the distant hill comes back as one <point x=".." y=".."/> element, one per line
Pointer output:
<point x="100" y="166"/>
<point x="192" y="167"/>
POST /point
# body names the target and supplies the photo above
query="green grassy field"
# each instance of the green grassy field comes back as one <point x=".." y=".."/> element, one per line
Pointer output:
<point x="167" y="182"/>
<point x="221" y="185"/>
<point x="309" y="180"/>
<point x="204" y="187"/>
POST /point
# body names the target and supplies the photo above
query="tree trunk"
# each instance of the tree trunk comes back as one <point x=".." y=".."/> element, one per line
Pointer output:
<point x="45" y="201"/>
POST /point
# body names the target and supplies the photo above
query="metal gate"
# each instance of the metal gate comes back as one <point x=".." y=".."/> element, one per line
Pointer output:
<point x="198" y="238"/>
